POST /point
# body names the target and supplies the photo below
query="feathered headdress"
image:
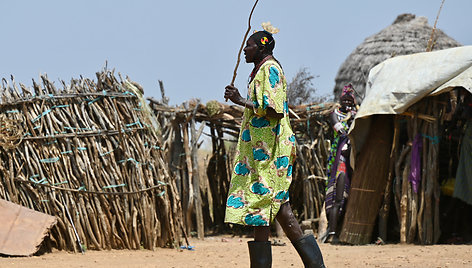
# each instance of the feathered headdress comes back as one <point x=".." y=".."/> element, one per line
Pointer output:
<point x="265" y="37"/>
<point x="268" y="27"/>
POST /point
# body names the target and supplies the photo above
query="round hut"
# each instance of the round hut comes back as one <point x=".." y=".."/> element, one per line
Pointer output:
<point x="407" y="35"/>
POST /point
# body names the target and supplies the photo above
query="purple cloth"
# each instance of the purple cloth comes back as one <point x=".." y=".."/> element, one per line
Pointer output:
<point x="332" y="180"/>
<point x="415" y="170"/>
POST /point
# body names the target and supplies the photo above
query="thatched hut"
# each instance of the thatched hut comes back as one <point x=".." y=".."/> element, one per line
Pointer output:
<point x="407" y="35"/>
<point x="403" y="141"/>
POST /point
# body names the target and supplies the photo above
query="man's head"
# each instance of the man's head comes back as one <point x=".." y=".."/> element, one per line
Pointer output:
<point x="258" y="46"/>
<point x="264" y="40"/>
<point x="347" y="98"/>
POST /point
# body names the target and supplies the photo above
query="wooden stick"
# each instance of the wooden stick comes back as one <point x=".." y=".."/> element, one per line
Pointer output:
<point x="75" y="230"/>
<point x="435" y="172"/>
<point x="385" y="208"/>
<point x="425" y="117"/>
<point x="91" y="192"/>
<point x="430" y="45"/>
<point x="404" y="201"/>
<point x="412" y="196"/>
<point x="242" y="45"/>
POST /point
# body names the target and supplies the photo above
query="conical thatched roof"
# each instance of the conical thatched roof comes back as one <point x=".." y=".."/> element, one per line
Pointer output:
<point x="407" y="35"/>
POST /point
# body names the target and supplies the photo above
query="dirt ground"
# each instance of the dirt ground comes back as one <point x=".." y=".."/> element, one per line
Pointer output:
<point x="227" y="251"/>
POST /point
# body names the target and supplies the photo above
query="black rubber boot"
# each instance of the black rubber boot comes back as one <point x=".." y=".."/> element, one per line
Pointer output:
<point x="260" y="254"/>
<point x="309" y="251"/>
<point x="333" y="218"/>
<point x="333" y="225"/>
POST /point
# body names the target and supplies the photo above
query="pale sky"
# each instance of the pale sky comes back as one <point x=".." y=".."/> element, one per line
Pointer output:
<point x="192" y="45"/>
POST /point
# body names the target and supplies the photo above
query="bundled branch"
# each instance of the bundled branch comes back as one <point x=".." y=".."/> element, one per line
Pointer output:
<point x="90" y="150"/>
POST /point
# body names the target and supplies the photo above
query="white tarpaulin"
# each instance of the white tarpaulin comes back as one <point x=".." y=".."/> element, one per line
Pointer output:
<point x="399" y="82"/>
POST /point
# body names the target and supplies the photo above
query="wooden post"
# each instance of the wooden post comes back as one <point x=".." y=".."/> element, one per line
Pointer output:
<point x="424" y="175"/>
<point x="196" y="175"/>
<point x="385" y="209"/>
<point x="187" y="185"/>
<point x="412" y="195"/>
<point x="428" y="214"/>
<point x="404" y="201"/>
<point x="435" y="170"/>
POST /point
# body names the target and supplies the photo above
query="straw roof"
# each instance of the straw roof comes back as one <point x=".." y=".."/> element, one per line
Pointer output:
<point x="407" y="35"/>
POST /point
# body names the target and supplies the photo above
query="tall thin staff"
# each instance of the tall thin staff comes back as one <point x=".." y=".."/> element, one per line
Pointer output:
<point x="430" y="45"/>
<point x="242" y="45"/>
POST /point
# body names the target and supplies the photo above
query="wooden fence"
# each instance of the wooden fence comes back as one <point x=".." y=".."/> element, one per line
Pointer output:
<point x="119" y="173"/>
<point x="88" y="154"/>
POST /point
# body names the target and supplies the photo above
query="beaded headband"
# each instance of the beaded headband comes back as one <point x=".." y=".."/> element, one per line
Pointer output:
<point x="348" y="90"/>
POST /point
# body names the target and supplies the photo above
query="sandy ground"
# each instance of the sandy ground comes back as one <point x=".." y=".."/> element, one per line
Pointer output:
<point x="226" y="251"/>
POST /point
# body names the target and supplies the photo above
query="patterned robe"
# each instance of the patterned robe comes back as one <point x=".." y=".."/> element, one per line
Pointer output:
<point x="337" y="164"/>
<point x="265" y="152"/>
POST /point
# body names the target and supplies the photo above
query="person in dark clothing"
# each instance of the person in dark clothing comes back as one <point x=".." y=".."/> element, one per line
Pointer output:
<point x="339" y="169"/>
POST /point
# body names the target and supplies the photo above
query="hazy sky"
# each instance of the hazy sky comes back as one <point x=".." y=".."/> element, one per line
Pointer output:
<point x="192" y="45"/>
